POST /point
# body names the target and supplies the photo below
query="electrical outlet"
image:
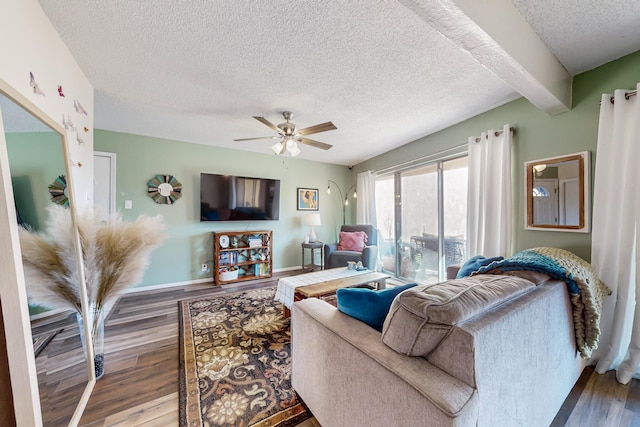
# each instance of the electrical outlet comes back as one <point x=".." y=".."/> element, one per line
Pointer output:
<point x="204" y="267"/>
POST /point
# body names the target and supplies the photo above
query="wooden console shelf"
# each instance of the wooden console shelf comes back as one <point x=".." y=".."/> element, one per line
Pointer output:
<point x="241" y="255"/>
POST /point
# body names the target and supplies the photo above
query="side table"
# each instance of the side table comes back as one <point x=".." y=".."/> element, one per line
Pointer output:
<point x="313" y="247"/>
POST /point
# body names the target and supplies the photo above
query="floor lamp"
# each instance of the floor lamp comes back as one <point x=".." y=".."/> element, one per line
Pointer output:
<point x="345" y="203"/>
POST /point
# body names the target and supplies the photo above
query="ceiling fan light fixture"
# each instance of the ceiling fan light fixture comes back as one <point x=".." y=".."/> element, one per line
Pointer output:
<point x="291" y="136"/>
<point x="277" y="147"/>
<point x="293" y="149"/>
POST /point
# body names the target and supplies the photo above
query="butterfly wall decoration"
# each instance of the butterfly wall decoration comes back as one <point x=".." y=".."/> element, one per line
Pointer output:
<point x="60" y="91"/>
<point x="34" y="85"/>
<point x="67" y="123"/>
<point x="78" y="107"/>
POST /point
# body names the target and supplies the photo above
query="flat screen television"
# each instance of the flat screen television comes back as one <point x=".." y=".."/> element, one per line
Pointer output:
<point x="238" y="198"/>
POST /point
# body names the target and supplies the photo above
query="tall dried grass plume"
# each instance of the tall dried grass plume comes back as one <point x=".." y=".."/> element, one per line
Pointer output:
<point x="115" y="256"/>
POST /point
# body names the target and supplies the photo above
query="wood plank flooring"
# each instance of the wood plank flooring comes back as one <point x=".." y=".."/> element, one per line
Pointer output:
<point x="140" y="385"/>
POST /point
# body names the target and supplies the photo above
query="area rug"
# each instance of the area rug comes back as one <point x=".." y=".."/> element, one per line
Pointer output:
<point x="39" y="343"/>
<point x="235" y="362"/>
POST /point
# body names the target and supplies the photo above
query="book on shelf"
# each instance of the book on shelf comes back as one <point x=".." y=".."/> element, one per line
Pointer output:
<point x="254" y="241"/>
<point x="227" y="258"/>
<point x="261" y="269"/>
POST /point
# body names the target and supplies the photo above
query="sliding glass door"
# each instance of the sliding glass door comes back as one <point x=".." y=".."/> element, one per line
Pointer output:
<point x="422" y="215"/>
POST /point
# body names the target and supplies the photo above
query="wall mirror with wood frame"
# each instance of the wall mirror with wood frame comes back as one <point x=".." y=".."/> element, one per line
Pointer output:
<point x="557" y="193"/>
<point x="35" y="147"/>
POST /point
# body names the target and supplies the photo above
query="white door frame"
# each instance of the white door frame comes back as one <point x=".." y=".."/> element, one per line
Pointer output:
<point x="112" y="178"/>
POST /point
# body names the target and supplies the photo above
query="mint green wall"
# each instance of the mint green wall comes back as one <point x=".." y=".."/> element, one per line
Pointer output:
<point x="538" y="136"/>
<point x="189" y="242"/>
<point x="35" y="160"/>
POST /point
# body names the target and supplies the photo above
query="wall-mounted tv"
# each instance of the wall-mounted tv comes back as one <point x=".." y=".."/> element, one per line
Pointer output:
<point x="238" y="198"/>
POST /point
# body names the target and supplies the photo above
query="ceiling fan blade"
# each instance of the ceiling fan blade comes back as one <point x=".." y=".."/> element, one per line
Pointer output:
<point x="314" y="143"/>
<point x="268" y="123"/>
<point x="258" y="137"/>
<point x="322" y="127"/>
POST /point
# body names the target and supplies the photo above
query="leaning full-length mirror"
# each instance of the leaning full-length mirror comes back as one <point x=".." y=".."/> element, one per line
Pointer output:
<point x="38" y="168"/>
<point x="557" y="193"/>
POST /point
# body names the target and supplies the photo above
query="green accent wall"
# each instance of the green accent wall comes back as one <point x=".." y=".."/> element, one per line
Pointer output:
<point x="189" y="242"/>
<point x="35" y="160"/>
<point x="538" y="135"/>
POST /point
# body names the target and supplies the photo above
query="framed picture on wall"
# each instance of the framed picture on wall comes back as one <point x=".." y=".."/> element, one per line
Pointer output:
<point x="308" y="199"/>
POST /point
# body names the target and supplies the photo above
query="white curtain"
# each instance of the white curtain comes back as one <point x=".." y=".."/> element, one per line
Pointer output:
<point x="616" y="215"/>
<point x="366" y="204"/>
<point x="489" y="209"/>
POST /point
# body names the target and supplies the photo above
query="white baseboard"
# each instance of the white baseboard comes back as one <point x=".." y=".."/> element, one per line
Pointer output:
<point x="165" y="285"/>
<point x="286" y="269"/>
<point x="188" y="282"/>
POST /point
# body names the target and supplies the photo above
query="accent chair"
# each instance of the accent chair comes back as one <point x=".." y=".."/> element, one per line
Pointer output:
<point x="335" y="256"/>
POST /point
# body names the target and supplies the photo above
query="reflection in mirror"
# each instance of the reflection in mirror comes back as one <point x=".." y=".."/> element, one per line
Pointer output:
<point x="557" y="193"/>
<point x="36" y="160"/>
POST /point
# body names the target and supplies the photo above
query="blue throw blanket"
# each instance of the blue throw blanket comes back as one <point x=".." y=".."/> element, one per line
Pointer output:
<point x="586" y="289"/>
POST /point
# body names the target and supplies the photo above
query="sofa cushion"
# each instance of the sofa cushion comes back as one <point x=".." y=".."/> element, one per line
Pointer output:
<point x="420" y="318"/>
<point x="352" y="241"/>
<point x="367" y="305"/>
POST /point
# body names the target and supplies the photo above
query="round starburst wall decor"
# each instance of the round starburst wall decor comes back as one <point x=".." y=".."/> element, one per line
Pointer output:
<point x="58" y="191"/>
<point x="164" y="189"/>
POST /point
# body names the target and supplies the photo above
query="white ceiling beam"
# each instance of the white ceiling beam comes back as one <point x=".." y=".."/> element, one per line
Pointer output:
<point x="495" y="34"/>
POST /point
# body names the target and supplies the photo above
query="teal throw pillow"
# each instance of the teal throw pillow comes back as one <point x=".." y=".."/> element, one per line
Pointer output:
<point x="367" y="305"/>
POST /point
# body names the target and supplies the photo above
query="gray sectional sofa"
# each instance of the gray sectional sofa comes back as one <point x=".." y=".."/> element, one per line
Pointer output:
<point x="480" y="351"/>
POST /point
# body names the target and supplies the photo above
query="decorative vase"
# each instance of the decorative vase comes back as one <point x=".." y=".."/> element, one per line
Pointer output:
<point x="97" y="338"/>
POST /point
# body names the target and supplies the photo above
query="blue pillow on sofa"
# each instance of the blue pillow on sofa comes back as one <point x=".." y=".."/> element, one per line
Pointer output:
<point x="474" y="264"/>
<point x="367" y="305"/>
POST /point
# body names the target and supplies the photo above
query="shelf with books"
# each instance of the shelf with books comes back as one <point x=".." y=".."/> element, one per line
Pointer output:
<point x="241" y="255"/>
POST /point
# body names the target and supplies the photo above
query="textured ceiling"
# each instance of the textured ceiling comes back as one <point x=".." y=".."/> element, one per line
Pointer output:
<point x="584" y="34"/>
<point x="198" y="70"/>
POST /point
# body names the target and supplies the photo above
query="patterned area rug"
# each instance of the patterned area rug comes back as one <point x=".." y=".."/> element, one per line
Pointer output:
<point x="235" y="362"/>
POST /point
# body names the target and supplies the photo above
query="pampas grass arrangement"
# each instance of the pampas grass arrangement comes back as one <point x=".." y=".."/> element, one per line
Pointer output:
<point x="115" y="257"/>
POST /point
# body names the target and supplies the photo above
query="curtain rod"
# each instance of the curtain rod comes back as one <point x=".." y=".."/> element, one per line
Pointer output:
<point x="626" y="95"/>
<point x="440" y="155"/>
<point x="497" y="133"/>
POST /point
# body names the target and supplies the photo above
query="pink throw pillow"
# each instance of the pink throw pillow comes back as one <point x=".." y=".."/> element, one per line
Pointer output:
<point x="352" y="241"/>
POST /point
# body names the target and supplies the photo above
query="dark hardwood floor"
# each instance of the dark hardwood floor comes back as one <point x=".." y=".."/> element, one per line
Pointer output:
<point x="140" y="385"/>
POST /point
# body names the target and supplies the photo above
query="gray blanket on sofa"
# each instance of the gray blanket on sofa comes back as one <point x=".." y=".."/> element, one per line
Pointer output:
<point x="586" y="289"/>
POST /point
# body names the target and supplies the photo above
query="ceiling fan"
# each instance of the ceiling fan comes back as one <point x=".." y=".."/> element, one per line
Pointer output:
<point x="289" y="135"/>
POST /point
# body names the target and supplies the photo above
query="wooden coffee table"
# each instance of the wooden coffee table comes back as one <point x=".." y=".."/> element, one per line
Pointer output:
<point x="330" y="287"/>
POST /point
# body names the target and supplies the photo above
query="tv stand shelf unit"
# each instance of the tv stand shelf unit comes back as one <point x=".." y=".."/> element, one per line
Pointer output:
<point x="241" y="255"/>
